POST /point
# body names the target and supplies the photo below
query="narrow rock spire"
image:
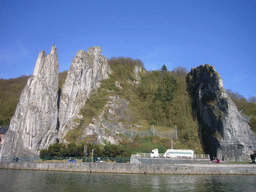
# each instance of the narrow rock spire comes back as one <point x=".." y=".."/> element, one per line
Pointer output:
<point x="33" y="126"/>
<point x="85" y="74"/>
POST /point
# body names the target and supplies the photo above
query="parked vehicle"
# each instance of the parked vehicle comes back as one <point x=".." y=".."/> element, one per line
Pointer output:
<point x="15" y="159"/>
<point x="215" y="160"/>
<point x="71" y="160"/>
<point x="179" y="153"/>
<point x="154" y="153"/>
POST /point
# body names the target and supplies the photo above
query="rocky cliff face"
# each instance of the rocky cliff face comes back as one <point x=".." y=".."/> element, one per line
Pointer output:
<point x="113" y="120"/>
<point x="225" y="132"/>
<point x="45" y="114"/>
<point x="33" y="126"/>
<point x="84" y="76"/>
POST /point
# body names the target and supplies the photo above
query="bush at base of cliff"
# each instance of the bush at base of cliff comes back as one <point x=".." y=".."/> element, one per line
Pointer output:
<point x="115" y="151"/>
<point x="44" y="155"/>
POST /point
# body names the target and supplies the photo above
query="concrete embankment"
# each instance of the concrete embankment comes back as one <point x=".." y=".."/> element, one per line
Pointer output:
<point x="216" y="169"/>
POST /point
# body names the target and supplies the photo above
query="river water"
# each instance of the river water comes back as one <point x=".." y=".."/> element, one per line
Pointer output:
<point x="25" y="180"/>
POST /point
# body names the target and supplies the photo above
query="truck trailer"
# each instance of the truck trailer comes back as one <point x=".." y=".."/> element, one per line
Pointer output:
<point x="179" y="153"/>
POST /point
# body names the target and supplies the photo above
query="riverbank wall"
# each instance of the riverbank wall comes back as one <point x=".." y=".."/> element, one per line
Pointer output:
<point x="97" y="167"/>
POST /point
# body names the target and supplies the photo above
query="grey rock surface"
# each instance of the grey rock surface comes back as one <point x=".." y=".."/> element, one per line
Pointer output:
<point x="33" y="126"/>
<point x="84" y="77"/>
<point x="113" y="120"/>
<point x="225" y="132"/>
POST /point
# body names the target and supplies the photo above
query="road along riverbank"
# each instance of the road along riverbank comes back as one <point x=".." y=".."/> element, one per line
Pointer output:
<point x="207" y="169"/>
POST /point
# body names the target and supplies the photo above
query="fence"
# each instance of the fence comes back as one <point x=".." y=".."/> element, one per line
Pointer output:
<point x="245" y="117"/>
<point x="161" y="155"/>
<point x="20" y="159"/>
<point x="145" y="159"/>
<point x="170" y="134"/>
<point x="67" y="159"/>
<point x="136" y="158"/>
<point x="107" y="159"/>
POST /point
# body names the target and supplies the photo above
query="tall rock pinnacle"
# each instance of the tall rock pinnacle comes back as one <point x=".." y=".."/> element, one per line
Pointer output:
<point x="225" y="133"/>
<point x="33" y="126"/>
<point x="84" y="76"/>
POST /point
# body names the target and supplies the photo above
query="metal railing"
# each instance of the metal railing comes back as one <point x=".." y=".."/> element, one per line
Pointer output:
<point x="161" y="155"/>
<point x="107" y="159"/>
<point x="19" y="159"/>
<point x="66" y="159"/>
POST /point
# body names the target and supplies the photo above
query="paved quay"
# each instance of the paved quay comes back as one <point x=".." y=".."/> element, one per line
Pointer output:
<point x="202" y="169"/>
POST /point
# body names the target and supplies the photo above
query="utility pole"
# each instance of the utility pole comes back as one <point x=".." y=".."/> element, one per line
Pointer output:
<point x="153" y="130"/>
<point x="85" y="150"/>
<point x="131" y="131"/>
<point x="92" y="154"/>
<point x="172" y="143"/>
<point x="176" y="131"/>
<point x="149" y="136"/>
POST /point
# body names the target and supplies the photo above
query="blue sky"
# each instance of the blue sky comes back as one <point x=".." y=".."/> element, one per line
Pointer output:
<point x="185" y="33"/>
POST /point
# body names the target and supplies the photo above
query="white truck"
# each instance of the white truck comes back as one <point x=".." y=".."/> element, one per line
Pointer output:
<point x="179" y="153"/>
<point x="154" y="153"/>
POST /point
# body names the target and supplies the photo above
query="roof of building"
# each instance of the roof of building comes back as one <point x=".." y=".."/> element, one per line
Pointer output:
<point x="3" y="130"/>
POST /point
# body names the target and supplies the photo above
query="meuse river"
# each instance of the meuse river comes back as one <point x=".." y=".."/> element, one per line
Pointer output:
<point x="25" y="180"/>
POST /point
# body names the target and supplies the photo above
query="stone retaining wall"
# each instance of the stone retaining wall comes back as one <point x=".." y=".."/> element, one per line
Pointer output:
<point x="229" y="169"/>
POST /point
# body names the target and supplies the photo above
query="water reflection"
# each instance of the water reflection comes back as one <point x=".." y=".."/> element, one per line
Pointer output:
<point x="155" y="183"/>
<point x="22" y="180"/>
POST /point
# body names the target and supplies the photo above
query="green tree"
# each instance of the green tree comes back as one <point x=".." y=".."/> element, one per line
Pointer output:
<point x="252" y="99"/>
<point x="170" y="87"/>
<point x="159" y="94"/>
<point x="111" y="150"/>
<point x="44" y="153"/>
<point x="71" y="150"/>
<point x="164" y="68"/>
<point x="54" y="149"/>
<point x="180" y="70"/>
<point x="97" y="152"/>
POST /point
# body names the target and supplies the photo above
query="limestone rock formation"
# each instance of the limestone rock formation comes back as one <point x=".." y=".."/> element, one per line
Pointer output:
<point x="224" y="131"/>
<point x="33" y="126"/>
<point x="114" y="119"/>
<point x="84" y="76"/>
<point x="136" y="71"/>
